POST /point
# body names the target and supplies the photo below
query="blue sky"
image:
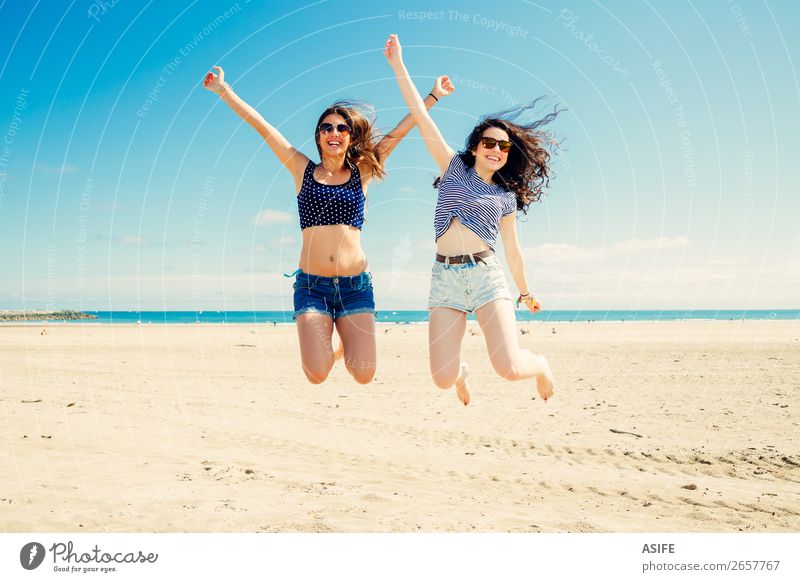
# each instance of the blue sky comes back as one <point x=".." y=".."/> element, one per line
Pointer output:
<point x="125" y="185"/>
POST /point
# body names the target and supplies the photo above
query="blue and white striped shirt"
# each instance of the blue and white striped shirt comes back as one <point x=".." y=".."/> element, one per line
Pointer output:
<point x="479" y="206"/>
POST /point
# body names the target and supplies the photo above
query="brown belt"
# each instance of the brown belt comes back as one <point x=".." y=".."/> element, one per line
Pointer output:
<point x="461" y="259"/>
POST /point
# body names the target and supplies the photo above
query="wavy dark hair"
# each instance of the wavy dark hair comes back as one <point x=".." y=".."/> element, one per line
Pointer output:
<point x="363" y="135"/>
<point x="526" y="172"/>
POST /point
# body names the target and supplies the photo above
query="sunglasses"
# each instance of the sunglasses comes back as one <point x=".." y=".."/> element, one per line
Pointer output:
<point x="328" y="128"/>
<point x="490" y="142"/>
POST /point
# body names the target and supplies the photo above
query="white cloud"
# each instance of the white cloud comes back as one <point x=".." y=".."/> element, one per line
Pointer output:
<point x="563" y="252"/>
<point x="698" y="286"/>
<point x="426" y="245"/>
<point x="133" y="240"/>
<point x="270" y="216"/>
<point x="402" y="279"/>
<point x="65" y="169"/>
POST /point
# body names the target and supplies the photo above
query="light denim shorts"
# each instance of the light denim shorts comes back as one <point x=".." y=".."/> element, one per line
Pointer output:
<point x="468" y="286"/>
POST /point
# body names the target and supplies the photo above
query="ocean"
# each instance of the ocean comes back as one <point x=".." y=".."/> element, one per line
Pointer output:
<point x="407" y="317"/>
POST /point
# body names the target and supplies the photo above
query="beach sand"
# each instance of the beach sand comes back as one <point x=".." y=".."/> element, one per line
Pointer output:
<point x="211" y="428"/>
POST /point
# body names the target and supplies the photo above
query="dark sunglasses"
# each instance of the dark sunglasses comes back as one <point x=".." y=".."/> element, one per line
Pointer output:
<point x="490" y="142"/>
<point x="328" y="128"/>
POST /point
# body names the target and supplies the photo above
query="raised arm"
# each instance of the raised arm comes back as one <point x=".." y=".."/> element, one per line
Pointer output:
<point x="441" y="152"/>
<point x="291" y="158"/>
<point x="442" y="87"/>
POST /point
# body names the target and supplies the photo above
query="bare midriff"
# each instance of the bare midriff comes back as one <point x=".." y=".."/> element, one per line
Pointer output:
<point x="332" y="251"/>
<point x="459" y="240"/>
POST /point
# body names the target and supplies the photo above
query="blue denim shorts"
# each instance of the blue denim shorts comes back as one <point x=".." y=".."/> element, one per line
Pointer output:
<point x="468" y="286"/>
<point x="335" y="296"/>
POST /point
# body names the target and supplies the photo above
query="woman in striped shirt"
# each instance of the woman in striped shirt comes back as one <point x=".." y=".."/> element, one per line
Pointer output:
<point x="501" y="171"/>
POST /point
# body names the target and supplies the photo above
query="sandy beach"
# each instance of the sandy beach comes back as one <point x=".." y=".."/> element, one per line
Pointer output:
<point x="672" y="426"/>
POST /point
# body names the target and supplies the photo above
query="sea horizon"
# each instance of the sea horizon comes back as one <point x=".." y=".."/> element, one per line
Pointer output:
<point x="400" y="316"/>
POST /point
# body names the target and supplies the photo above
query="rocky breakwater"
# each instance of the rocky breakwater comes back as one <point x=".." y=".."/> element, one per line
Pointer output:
<point x="30" y="315"/>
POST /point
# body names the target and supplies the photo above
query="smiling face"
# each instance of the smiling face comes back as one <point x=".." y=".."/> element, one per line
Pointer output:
<point x="334" y="142"/>
<point x="491" y="160"/>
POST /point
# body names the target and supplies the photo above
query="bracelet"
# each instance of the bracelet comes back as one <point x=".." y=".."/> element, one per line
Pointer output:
<point x="434" y="96"/>
<point x="526" y="298"/>
<point x="223" y="88"/>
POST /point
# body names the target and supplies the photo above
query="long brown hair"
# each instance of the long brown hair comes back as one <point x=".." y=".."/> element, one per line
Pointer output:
<point x="363" y="136"/>
<point x="526" y="171"/>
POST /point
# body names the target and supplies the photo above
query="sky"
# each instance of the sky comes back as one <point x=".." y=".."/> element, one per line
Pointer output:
<point x="125" y="185"/>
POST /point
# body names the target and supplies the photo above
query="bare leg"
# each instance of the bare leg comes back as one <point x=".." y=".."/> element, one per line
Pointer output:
<point x="509" y="360"/>
<point x="316" y="350"/>
<point x="357" y="333"/>
<point x="445" y="332"/>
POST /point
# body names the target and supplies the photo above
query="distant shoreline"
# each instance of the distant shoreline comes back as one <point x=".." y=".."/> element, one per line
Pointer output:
<point x="385" y="316"/>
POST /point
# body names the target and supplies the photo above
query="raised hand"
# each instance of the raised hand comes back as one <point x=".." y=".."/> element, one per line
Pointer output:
<point x="442" y="87"/>
<point x="393" y="51"/>
<point x="534" y="306"/>
<point x="530" y="302"/>
<point x="214" y="82"/>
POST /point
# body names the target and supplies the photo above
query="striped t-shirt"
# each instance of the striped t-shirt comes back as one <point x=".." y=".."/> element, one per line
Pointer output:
<point x="478" y="205"/>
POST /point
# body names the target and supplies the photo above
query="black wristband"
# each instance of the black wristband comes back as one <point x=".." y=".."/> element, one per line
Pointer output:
<point x="434" y="96"/>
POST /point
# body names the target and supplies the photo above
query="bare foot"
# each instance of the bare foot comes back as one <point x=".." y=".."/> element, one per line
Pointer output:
<point x="339" y="353"/>
<point x="461" y="384"/>
<point x="544" y="380"/>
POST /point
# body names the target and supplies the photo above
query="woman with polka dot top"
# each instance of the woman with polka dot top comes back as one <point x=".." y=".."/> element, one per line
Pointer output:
<point x="332" y="287"/>
<point x="501" y="170"/>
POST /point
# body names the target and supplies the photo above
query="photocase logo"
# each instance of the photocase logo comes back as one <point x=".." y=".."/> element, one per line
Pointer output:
<point x="31" y="555"/>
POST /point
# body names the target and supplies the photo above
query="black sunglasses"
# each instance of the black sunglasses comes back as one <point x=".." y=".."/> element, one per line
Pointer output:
<point x="490" y="142"/>
<point x="328" y="128"/>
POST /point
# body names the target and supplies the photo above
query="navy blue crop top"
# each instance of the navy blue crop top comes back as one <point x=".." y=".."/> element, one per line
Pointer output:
<point x="323" y="204"/>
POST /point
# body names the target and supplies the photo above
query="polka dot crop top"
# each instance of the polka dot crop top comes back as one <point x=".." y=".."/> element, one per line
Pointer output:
<point x="323" y="204"/>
